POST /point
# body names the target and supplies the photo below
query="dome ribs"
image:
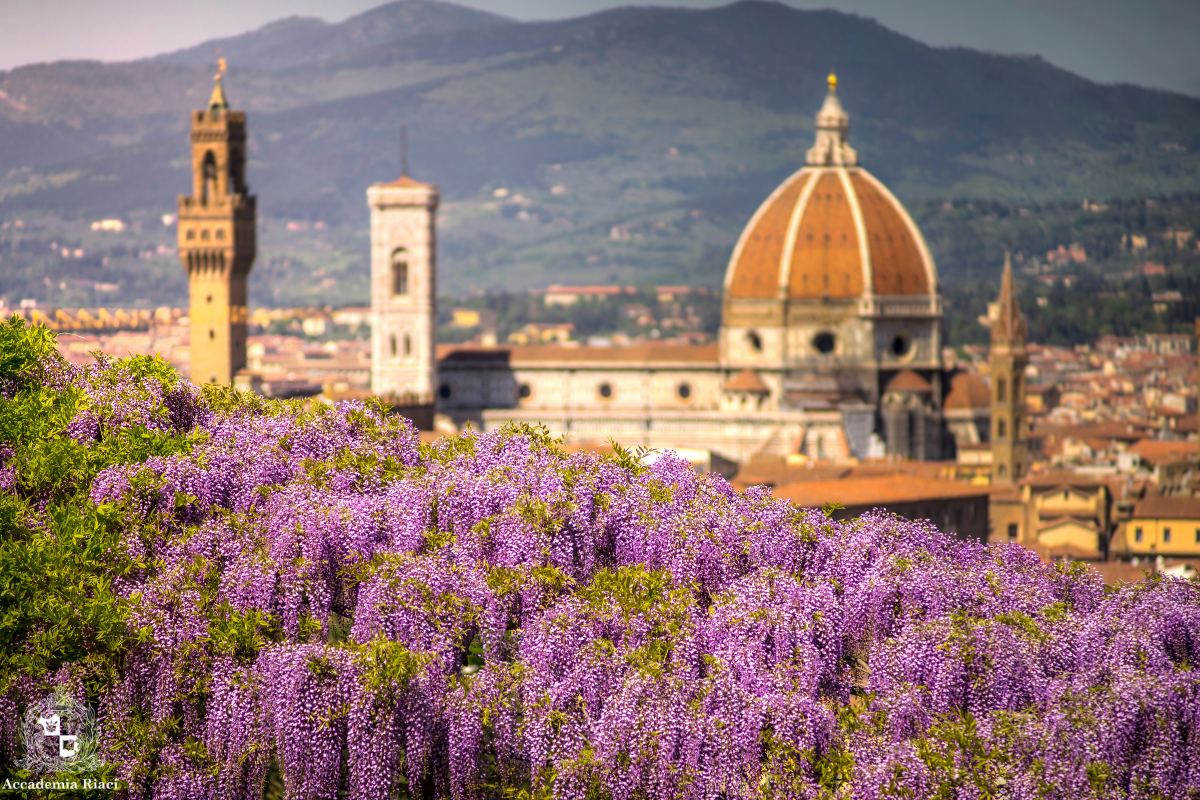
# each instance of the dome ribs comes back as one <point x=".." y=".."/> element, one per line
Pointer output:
<point x="756" y="267"/>
<point x="899" y="266"/>
<point x="826" y="260"/>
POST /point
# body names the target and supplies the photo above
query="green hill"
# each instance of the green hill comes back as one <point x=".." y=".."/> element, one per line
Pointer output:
<point x="633" y="144"/>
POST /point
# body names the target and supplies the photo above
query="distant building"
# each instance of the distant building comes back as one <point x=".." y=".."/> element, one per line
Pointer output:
<point x="1057" y="514"/>
<point x="218" y="241"/>
<point x="830" y="340"/>
<point x="472" y="317"/>
<point x="403" y="287"/>
<point x="955" y="507"/>
<point x="1163" y="526"/>
<point x="1168" y="343"/>
<point x="570" y="295"/>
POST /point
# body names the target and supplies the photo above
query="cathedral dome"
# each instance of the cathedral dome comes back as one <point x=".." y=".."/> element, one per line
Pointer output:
<point x="831" y="230"/>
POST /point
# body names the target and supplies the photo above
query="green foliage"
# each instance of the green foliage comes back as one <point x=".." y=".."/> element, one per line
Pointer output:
<point x="388" y="667"/>
<point x="959" y="760"/>
<point x="59" y="552"/>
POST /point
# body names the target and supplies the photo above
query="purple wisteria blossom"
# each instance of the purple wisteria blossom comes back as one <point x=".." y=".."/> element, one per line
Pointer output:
<point x="333" y="607"/>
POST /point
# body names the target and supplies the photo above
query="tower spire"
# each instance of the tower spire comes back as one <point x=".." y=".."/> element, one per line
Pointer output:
<point x="403" y="151"/>
<point x="218" y="93"/>
<point x="832" y="147"/>
<point x="1008" y="357"/>
<point x="1008" y="329"/>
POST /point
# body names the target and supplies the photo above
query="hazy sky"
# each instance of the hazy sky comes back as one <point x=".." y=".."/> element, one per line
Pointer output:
<point x="1149" y="42"/>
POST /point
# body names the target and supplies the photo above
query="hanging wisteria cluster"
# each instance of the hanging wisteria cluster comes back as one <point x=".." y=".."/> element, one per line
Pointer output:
<point x="325" y="604"/>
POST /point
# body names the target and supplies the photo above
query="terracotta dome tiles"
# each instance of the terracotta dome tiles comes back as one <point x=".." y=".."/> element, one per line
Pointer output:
<point x="757" y="272"/>
<point x="897" y="258"/>
<point x="826" y="255"/>
<point x="826" y="260"/>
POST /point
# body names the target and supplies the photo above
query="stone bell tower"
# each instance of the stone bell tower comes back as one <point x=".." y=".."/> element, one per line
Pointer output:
<point x="1008" y="356"/>
<point x="218" y="239"/>
<point x="403" y="288"/>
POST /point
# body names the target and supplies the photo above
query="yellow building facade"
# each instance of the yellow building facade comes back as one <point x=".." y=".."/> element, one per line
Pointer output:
<point x="1163" y="526"/>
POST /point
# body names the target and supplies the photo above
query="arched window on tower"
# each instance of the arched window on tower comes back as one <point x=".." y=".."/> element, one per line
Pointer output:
<point x="1000" y="431"/>
<point x="209" y="188"/>
<point x="392" y="344"/>
<point x="407" y="345"/>
<point x="1001" y="394"/>
<point x="400" y="272"/>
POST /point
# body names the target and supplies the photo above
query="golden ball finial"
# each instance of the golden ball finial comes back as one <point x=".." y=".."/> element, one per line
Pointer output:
<point x="832" y="79"/>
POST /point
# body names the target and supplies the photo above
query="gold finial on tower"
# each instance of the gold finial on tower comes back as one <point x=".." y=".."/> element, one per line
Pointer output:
<point x="218" y="94"/>
<point x="832" y="81"/>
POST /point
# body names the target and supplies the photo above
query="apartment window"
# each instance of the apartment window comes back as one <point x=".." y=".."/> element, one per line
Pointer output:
<point x="1166" y="535"/>
<point x="1137" y="534"/>
<point x="1013" y="529"/>
<point x="1197" y="535"/>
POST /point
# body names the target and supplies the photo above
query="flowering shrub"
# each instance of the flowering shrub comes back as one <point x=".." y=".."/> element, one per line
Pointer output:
<point x="314" y="604"/>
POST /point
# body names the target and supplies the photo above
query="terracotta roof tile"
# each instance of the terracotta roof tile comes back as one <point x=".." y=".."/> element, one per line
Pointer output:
<point x="1153" y="451"/>
<point x="876" y="492"/>
<point x="747" y="381"/>
<point x="908" y="381"/>
<point x="405" y="182"/>
<point x="967" y="391"/>
<point x="1163" y="507"/>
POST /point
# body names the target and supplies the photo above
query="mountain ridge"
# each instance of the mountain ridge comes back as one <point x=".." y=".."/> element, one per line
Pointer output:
<point x="291" y="41"/>
<point x="617" y="121"/>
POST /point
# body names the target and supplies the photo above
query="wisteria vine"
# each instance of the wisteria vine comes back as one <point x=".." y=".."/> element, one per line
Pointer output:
<point x="327" y="605"/>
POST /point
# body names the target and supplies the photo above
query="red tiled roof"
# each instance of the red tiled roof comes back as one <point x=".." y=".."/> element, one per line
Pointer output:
<point x="908" y="381"/>
<point x="873" y="492"/>
<point x="967" y="391"/>
<point x="405" y="182"/>
<point x="1162" y="507"/>
<point x="747" y="381"/>
<point x="1153" y="451"/>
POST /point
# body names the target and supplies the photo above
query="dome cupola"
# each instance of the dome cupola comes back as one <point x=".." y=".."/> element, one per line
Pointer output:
<point x="830" y="231"/>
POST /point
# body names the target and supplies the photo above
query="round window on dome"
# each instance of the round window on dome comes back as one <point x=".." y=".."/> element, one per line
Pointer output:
<point x="684" y="390"/>
<point x="605" y="390"/>
<point x="754" y="340"/>
<point x="902" y="346"/>
<point x="444" y="391"/>
<point x="524" y="391"/>
<point x="824" y="342"/>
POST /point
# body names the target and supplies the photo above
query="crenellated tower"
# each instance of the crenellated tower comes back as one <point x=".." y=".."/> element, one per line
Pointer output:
<point x="218" y="239"/>
<point x="1008" y="357"/>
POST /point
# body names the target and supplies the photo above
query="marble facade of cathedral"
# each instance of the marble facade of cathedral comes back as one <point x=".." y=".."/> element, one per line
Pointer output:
<point x="829" y="345"/>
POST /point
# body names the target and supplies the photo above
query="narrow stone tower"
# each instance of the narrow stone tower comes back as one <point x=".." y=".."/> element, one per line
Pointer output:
<point x="1010" y="450"/>
<point x="403" y="288"/>
<point x="218" y="240"/>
